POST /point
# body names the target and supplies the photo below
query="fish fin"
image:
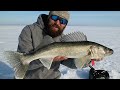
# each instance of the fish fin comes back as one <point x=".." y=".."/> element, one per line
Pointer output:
<point x="47" y="62"/>
<point x="74" y="36"/>
<point x="13" y="58"/>
<point x="82" y="62"/>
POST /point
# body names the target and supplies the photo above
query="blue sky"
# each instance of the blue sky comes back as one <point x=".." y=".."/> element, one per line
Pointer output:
<point x="100" y="18"/>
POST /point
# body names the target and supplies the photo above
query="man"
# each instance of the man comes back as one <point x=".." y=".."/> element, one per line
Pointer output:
<point x="47" y="29"/>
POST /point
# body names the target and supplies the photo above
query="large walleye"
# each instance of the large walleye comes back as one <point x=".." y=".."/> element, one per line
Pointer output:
<point x="83" y="51"/>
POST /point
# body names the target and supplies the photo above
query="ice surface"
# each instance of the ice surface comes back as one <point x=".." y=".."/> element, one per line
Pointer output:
<point x="108" y="36"/>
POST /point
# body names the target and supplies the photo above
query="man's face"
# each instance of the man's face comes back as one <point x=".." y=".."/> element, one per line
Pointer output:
<point x="55" y="27"/>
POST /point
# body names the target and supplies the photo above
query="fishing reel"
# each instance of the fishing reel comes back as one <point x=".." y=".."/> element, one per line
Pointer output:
<point x="98" y="74"/>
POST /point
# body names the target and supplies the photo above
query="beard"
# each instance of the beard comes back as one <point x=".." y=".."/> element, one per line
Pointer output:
<point x="54" y="33"/>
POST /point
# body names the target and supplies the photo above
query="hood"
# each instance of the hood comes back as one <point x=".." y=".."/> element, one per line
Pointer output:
<point x="42" y="21"/>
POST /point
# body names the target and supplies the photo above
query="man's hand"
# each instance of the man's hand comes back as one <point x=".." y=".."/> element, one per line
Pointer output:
<point x="60" y="58"/>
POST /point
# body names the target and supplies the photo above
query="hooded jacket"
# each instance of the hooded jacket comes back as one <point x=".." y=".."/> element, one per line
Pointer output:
<point x="33" y="37"/>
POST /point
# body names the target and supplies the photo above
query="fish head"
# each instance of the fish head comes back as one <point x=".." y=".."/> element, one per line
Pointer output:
<point x="100" y="51"/>
<point x="108" y="51"/>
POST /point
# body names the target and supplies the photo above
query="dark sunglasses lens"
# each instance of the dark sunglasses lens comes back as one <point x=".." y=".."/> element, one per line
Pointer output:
<point x="55" y="18"/>
<point x="63" y="21"/>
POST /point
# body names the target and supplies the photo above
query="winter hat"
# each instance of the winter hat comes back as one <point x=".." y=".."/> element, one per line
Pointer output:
<point x="62" y="14"/>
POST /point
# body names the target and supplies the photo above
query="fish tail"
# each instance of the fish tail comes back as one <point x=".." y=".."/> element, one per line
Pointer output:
<point x="13" y="58"/>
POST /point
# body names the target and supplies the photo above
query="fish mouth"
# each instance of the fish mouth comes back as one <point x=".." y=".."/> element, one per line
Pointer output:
<point x="110" y="52"/>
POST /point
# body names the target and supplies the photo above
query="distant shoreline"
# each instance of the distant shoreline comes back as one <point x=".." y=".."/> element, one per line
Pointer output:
<point x="67" y="25"/>
<point x="13" y="24"/>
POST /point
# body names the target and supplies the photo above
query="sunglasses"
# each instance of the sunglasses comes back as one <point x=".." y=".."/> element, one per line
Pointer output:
<point x="62" y="20"/>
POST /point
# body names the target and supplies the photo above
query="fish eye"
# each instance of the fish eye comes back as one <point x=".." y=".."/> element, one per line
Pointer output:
<point x="99" y="48"/>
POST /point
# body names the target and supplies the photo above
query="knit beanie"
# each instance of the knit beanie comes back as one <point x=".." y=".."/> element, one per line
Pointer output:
<point x="62" y="14"/>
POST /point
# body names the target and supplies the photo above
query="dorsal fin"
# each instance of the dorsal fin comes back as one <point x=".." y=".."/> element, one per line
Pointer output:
<point x="74" y="36"/>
